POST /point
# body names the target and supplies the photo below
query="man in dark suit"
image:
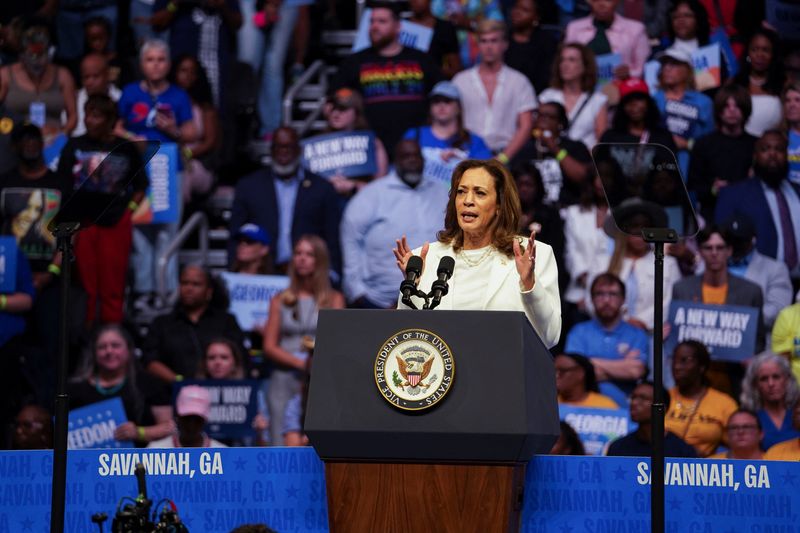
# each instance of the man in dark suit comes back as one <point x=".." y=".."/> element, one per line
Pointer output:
<point x="769" y="200"/>
<point x="717" y="286"/>
<point x="288" y="202"/>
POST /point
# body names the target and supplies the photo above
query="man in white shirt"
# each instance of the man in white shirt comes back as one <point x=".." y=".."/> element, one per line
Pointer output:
<point x="95" y="79"/>
<point x="498" y="101"/>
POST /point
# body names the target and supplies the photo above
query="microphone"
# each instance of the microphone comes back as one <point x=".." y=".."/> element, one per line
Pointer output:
<point x="409" y="285"/>
<point x="140" y="482"/>
<point x="443" y="273"/>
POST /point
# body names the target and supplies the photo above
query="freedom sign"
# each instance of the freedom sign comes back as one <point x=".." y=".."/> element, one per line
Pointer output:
<point x="596" y="427"/>
<point x="92" y="426"/>
<point x="728" y="331"/>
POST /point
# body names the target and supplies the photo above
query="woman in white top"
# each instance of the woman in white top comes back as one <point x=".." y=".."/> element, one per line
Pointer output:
<point x="762" y="76"/>
<point x="572" y="85"/>
<point x="688" y="25"/>
<point x="495" y="269"/>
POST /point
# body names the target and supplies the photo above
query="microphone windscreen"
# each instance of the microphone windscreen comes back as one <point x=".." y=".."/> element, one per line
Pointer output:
<point x="414" y="265"/>
<point x="446" y="266"/>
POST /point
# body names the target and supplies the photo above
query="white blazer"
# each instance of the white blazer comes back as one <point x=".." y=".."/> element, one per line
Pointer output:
<point x="541" y="304"/>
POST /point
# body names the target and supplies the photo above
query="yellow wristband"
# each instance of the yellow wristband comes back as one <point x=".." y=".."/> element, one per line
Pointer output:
<point x="140" y="433"/>
<point x="178" y="377"/>
<point x="561" y="155"/>
<point x="54" y="269"/>
<point x="133" y="206"/>
<point x="187" y="152"/>
<point x="172" y="7"/>
<point x="503" y="158"/>
<point x="3" y="302"/>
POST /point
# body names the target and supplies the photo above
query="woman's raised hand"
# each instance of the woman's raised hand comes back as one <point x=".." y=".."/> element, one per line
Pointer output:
<point x="525" y="260"/>
<point x="402" y="253"/>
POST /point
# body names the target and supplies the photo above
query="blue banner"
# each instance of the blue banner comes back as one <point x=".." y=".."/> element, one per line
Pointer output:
<point x="344" y="153"/>
<point x="250" y="295"/>
<point x="8" y="265"/>
<point x="93" y="426"/>
<point x="606" y="64"/>
<point x="412" y="35"/>
<point x="729" y="331"/>
<point x="162" y="201"/>
<point x="596" y="427"/>
<point x="216" y="490"/>
<point x="52" y="151"/>
<point x="234" y="405"/>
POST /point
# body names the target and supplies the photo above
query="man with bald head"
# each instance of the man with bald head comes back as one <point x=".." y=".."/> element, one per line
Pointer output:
<point x="403" y="202"/>
<point x="95" y="79"/>
<point x="288" y="201"/>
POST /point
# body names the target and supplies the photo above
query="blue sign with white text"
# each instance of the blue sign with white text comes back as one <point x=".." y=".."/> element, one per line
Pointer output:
<point x="162" y="201"/>
<point x="344" y="153"/>
<point x="234" y="405"/>
<point x="217" y="490"/>
<point x="8" y="265"/>
<point x="729" y="331"/>
<point x="596" y="427"/>
<point x="92" y="426"/>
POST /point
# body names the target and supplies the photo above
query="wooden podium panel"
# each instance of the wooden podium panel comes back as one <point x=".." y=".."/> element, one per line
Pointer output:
<point x="408" y="498"/>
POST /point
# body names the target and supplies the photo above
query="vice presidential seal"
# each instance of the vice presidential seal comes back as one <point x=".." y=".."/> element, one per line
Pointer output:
<point x="414" y="369"/>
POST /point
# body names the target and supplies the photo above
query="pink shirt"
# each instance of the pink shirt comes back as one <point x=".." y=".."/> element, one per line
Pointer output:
<point x="627" y="37"/>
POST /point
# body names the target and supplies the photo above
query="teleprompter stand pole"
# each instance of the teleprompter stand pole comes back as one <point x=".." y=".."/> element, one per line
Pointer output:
<point x="63" y="233"/>
<point x="658" y="236"/>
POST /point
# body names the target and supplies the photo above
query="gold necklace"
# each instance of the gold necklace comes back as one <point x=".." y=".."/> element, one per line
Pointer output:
<point x="476" y="262"/>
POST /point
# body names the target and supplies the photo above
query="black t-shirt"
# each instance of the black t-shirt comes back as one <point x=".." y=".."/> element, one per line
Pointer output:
<point x="558" y="190"/>
<point x="533" y="58"/>
<point x="101" y="170"/>
<point x="655" y="136"/>
<point x="395" y="89"/>
<point x="444" y="41"/>
<point x="26" y="207"/>
<point x="137" y="400"/>
<point x="631" y="446"/>
<point x="718" y="156"/>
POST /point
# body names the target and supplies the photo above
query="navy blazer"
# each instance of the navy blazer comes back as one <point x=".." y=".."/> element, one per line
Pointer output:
<point x="316" y="211"/>
<point x="748" y="198"/>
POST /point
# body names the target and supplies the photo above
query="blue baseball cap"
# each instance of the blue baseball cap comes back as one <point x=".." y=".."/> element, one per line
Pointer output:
<point x="254" y="233"/>
<point x="447" y="89"/>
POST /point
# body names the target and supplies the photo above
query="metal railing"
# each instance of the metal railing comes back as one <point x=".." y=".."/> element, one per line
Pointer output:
<point x="197" y="221"/>
<point x="317" y="69"/>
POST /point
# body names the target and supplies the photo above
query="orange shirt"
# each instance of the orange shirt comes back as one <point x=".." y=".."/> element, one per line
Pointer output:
<point x="784" y="451"/>
<point x="594" y="399"/>
<point x="715" y="295"/>
<point x="700" y="423"/>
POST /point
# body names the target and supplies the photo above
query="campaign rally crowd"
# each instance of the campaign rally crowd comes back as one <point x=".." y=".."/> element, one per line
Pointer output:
<point x="86" y="86"/>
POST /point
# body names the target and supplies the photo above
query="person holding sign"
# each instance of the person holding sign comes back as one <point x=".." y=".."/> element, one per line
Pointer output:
<point x="770" y="390"/>
<point x="640" y="442"/>
<point x="687" y="114"/>
<point x="292" y="325"/>
<point x="576" y="383"/>
<point x="606" y="32"/>
<point x="698" y="413"/>
<point x="109" y="371"/>
<point x="252" y="251"/>
<point x="446" y="142"/>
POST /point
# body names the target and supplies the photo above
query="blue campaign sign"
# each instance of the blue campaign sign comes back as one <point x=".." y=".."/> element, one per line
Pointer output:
<point x="93" y="426"/>
<point x="344" y="153"/>
<point x="234" y="405"/>
<point x="217" y="490"/>
<point x="52" y="151"/>
<point x="596" y="427"/>
<point x="412" y="35"/>
<point x="162" y="203"/>
<point x="8" y="265"/>
<point x="606" y="63"/>
<point x="250" y="295"/>
<point x="729" y="331"/>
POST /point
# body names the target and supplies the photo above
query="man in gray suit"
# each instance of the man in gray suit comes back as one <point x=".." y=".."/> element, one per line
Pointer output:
<point x="768" y="273"/>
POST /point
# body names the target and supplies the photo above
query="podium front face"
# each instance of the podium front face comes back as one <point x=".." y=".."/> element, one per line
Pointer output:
<point x="501" y="406"/>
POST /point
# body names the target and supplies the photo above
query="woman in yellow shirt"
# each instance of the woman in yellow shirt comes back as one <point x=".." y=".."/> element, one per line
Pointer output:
<point x="698" y="414"/>
<point x="576" y="383"/>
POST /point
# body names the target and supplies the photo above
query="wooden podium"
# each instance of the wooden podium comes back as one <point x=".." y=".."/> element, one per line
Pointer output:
<point x="458" y="466"/>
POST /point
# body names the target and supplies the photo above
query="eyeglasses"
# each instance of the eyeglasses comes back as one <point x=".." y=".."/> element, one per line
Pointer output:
<point x="743" y="428"/>
<point x="606" y="294"/>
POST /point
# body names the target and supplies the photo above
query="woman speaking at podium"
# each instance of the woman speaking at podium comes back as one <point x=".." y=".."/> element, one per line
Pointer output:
<point x="495" y="269"/>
